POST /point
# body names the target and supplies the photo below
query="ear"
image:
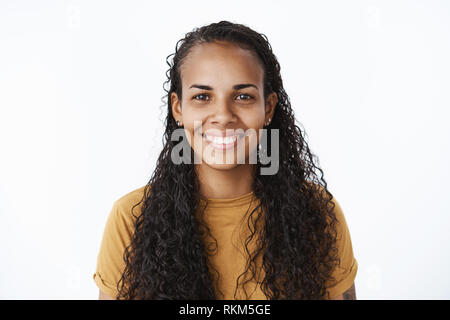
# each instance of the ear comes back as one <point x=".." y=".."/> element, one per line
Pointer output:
<point x="176" y="107"/>
<point x="271" y="103"/>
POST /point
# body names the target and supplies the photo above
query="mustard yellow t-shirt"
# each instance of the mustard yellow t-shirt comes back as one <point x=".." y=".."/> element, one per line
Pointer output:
<point x="224" y="218"/>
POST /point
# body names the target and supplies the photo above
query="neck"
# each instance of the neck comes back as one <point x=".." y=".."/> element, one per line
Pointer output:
<point x="224" y="184"/>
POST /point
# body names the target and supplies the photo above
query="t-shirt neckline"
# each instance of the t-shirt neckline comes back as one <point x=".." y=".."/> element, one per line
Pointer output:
<point x="228" y="202"/>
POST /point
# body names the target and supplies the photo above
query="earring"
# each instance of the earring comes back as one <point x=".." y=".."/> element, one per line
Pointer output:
<point x="178" y="123"/>
<point x="267" y="123"/>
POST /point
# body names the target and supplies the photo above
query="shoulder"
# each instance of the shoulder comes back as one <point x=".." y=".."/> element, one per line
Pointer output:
<point x="128" y="206"/>
<point x="131" y="198"/>
<point x="340" y="225"/>
<point x="323" y="192"/>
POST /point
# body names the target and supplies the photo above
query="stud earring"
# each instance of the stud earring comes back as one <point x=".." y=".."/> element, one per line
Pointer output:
<point x="178" y="123"/>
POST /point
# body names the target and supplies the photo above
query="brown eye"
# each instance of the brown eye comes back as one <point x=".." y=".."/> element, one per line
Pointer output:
<point x="245" y="95"/>
<point x="199" y="95"/>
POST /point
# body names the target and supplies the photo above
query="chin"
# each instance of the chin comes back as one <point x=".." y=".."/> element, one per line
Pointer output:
<point x="222" y="167"/>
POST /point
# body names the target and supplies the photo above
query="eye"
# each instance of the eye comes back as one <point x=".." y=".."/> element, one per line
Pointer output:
<point x="199" y="95"/>
<point x="245" y="95"/>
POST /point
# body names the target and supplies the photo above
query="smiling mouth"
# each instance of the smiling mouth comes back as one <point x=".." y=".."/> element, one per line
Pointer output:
<point x="222" y="143"/>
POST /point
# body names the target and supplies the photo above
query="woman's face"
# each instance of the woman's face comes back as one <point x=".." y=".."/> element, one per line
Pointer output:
<point x="222" y="91"/>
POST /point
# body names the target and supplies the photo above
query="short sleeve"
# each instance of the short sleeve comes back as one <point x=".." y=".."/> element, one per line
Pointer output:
<point x="345" y="273"/>
<point x="117" y="236"/>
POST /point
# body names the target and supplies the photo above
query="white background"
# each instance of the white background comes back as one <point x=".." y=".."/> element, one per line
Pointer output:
<point x="81" y="125"/>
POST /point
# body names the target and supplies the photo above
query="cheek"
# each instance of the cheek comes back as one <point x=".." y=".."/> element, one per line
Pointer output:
<point x="189" y="133"/>
<point x="254" y="121"/>
<point x="192" y="128"/>
<point x="192" y="119"/>
<point x="190" y="114"/>
<point x="254" y="117"/>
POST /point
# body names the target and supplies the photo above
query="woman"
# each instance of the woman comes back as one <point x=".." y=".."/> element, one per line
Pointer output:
<point x="223" y="229"/>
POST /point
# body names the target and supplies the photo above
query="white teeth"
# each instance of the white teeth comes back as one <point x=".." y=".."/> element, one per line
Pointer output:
<point x="221" y="140"/>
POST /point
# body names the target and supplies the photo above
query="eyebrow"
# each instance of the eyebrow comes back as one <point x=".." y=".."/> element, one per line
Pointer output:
<point x="235" y="87"/>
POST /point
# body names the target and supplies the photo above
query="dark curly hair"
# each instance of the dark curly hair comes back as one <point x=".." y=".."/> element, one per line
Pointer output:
<point x="168" y="258"/>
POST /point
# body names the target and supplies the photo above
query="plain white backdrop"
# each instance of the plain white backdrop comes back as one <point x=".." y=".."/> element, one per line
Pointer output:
<point x="81" y="116"/>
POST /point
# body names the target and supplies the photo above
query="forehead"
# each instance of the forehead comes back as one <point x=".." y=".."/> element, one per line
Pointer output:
<point x="221" y="63"/>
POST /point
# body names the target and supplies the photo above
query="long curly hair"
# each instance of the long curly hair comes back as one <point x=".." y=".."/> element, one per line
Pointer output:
<point x="168" y="258"/>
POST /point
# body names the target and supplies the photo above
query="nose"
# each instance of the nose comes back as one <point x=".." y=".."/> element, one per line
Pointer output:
<point x="223" y="114"/>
